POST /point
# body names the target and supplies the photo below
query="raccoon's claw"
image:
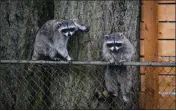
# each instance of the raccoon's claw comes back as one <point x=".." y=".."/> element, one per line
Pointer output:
<point x="121" y="61"/>
<point x="69" y="58"/>
<point x="111" y="61"/>
<point x="56" y="59"/>
<point x="70" y="61"/>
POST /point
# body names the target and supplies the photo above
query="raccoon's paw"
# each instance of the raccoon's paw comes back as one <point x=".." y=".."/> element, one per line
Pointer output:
<point x="56" y="59"/>
<point x="121" y="61"/>
<point x="69" y="58"/>
<point x="112" y="61"/>
<point x="105" y="93"/>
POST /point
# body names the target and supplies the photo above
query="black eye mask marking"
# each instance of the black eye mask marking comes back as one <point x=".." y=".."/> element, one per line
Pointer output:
<point x="118" y="44"/>
<point x="110" y="45"/>
<point x="114" y="44"/>
<point x="72" y="29"/>
<point x="68" y="30"/>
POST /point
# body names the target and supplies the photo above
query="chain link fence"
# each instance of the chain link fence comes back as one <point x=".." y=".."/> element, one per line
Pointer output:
<point x="78" y="85"/>
<point x="166" y="83"/>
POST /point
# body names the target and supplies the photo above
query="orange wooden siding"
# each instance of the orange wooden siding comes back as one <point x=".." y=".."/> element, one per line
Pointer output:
<point x="166" y="12"/>
<point x="165" y="31"/>
<point x="166" y="47"/>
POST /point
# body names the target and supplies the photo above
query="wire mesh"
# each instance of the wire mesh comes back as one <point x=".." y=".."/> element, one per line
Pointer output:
<point x="166" y="80"/>
<point x="73" y="86"/>
<point x="59" y="85"/>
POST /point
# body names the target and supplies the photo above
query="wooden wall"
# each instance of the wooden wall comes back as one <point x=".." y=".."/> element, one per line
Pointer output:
<point x="158" y="19"/>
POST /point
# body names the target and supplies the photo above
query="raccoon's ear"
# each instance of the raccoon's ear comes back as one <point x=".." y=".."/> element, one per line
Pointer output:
<point x="121" y="34"/>
<point x="106" y="37"/>
<point x="58" y="24"/>
<point x="74" y="20"/>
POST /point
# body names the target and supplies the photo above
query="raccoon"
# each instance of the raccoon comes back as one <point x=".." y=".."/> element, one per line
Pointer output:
<point x="117" y="49"/>
<point x="51" y="40"/>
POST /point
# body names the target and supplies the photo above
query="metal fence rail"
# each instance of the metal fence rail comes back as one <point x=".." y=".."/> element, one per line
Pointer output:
<point x="158" y="64"/>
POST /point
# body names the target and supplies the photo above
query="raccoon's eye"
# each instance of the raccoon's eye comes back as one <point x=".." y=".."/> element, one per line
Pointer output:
<point x="118" y="44"/>
<point x="109" y="45"/>
<point x="72" y="29"/>
<point x="64" y="30"/>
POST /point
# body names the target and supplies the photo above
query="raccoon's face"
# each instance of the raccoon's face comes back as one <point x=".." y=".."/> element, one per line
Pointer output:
<point x="69" y="27"/>
<point x="68" y="32"/>
<point x="114" y="42"/>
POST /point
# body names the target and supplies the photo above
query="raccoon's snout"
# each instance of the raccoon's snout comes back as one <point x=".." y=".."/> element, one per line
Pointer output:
<point x="69" y="34"/>
<point x="114" y="49"/>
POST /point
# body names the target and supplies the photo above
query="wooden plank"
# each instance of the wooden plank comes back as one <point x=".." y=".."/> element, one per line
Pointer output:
<point x="142" y="47"/>
<point x="163" y="59"/>
<point x="143" y="83"/>
<point x="167" y="70"/>
<point x="166" y="1"/>
<point x="165" y="12"/>
<point x="161" y="70"/>
<point x="165" y="101"/>
<point x="165" y="31"/>
<point x="142" y="30"/>
<point x="165" y="47"/>
<point x="166" y="89"/>
<point x="166" y="83"/>
<point x="142" y="100"/>
<point x="151" y="53"/>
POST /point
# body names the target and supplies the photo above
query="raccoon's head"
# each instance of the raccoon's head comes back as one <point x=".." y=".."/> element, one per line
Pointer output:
<point x="69" y="27"/>
<point x="114" y="41"/>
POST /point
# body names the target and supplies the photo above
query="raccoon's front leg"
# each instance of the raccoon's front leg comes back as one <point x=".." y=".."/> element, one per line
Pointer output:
<point x="35" y="56"/>
<point x="52" y="55"/>
<point x="122" y="60"/>
<point x="110" y="59"/>
<point x="65" y="55"/>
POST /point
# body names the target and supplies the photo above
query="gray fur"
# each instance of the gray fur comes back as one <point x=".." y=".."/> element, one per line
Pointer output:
<point x="51" y="40"/>
<point x="117" y="78"/>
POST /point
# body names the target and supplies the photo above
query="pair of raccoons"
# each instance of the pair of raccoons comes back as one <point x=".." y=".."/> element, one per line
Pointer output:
<point x="51" y="42"/>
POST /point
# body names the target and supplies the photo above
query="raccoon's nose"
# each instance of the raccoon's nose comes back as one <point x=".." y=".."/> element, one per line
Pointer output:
<point x="69" y="34"/>
<point x="114" y="50"/>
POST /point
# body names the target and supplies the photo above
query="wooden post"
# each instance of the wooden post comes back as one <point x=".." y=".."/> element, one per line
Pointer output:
<point x="151" y="53"/>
